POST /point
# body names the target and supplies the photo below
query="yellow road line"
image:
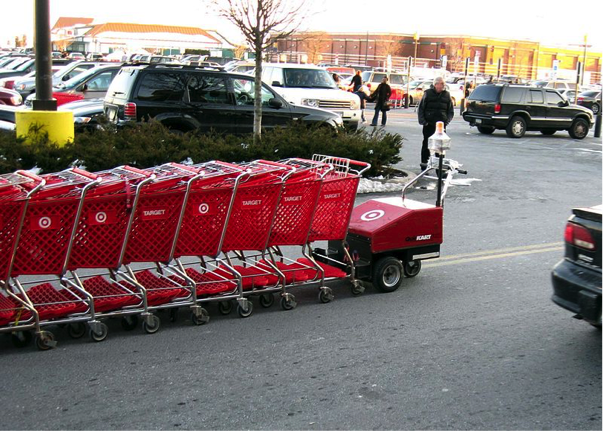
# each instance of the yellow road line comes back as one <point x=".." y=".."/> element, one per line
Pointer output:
<point x="502" y="250"/>
<point x="494" y="254"/>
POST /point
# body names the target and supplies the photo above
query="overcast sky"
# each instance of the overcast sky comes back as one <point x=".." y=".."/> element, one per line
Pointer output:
<point x="544" y="21"/>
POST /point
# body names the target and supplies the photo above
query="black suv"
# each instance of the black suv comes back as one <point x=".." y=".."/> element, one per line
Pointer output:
<point x="518" y="109"/>
<point x="186" y="98"/>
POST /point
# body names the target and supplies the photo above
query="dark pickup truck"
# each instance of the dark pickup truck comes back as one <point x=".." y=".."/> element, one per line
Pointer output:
<point x="577" y="277"/>
<point x="517" y="109"/>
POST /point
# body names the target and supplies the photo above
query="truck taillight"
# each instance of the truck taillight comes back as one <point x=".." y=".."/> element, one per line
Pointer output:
<point x="497" y="108"/>
<point x="579" y="236"/>
<point x="130" y="110"/>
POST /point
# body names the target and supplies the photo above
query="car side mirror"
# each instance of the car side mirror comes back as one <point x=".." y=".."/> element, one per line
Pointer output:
<point x="66" y="78"/>
<point x="84" y="87"/>
<point x="563" y="103"/>
<point x="275" y="103"/>
<point x="276" y="84"/>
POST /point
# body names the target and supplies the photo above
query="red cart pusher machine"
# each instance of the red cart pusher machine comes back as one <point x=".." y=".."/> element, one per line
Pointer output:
<point x="389" y="237"/>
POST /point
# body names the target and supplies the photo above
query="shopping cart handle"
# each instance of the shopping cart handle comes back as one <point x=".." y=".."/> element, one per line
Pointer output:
<point x="275" y="164"/>
<point x="29" y="175"/>
<point x="137" y="171"/>
<point x="182" y="167"/>
<point x="83" y="173"/>
<point x="228" y="165"/>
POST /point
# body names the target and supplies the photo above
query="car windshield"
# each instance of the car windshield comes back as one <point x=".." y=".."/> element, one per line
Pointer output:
<point x="15" y="63"/>
<point x="79" y="79"/>
<point x="486" y="93"/>
<point x="308" y="78"/>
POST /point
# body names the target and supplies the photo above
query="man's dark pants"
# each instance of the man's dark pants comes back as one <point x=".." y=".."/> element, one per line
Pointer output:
<point x="428" y="130"/>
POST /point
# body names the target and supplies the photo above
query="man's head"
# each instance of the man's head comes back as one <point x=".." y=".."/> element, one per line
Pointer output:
<point x="384" y="80"/>
<point x="357" y="73"/>
<point x="439" y="84"/>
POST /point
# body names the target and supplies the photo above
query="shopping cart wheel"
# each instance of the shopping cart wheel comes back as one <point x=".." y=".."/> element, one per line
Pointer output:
<point x="225" y="307"/>
<point x="246" y="309"/>
<point x="200" y="317"/>
<point x="412" y="268"/>
<point x="325" y="295"/>
<point x="357" y="288"/>
<point x="45" y="340"/>
<point x="267" y="300"/>
<point x="100" y="334"/>
<point x="151" y="324"/>
<point x="21" y="338"/>
<point x="77" y="330"/>
<point x="288" y="302"/>
<point x="129" y="322"/>
<point x="387" y="275"/>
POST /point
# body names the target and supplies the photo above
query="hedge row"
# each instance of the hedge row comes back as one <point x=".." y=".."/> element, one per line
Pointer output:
<point x="150" y="144"/>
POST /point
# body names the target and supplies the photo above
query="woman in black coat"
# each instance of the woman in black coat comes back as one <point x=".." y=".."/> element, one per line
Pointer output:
<point x="381" y="97"/>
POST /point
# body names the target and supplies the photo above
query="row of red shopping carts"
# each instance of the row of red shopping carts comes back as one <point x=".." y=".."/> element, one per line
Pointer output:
<point x="77" y="247"/>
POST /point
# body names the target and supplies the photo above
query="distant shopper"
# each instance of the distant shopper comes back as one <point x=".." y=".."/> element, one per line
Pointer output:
<point x="381" y="98"/>
<point x="490" y="80"/>
<point x="358" y="90"/>
<point x="336" y="79"/>
<point x="436" y="105"/>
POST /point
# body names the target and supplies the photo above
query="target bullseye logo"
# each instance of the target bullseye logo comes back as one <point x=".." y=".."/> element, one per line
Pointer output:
<point x="44" y="222"/>
<point x="372" y="215"/>
<point x="203" y="209"/>
<point x="101" y="217"/>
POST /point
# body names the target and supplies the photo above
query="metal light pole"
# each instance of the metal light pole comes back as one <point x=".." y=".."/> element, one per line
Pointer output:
<point x="43" y="100"/>
<point x="584" y="61"/>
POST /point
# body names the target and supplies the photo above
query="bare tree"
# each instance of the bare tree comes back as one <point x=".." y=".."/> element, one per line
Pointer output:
<point x="456" y="53"/>
<point x="314" y="43"/>
<point x="257" y="19"/>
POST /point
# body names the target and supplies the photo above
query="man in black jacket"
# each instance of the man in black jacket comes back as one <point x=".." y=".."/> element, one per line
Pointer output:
<point x="436" y="105"/>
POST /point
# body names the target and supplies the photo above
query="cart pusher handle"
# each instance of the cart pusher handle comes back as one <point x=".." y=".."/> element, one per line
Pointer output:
<point x="452" y="168"/>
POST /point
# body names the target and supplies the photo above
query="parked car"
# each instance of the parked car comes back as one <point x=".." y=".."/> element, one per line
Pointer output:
<point x="518" y="109"/>
<point x="77" y="56"/>
<point x="570" y="95"/>
<point x="395" y="80"/>
<point x="11" y="62"/>
<point x="240" y="67"/>
<point x="92" y="84"/>
<point x="567" y="85"/>
<point x="23" y="68"/>
<point x="309" y="85"/>
<point x="27" y="85"/>
<point x="10" y="97"/>
<point x="577" y="277"/>
<point x="590" y="99"/>
<point x="94" y="56"/>
<point x="187" y="98"/>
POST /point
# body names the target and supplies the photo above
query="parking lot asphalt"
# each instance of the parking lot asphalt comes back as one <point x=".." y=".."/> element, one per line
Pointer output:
<point x="473" y="342"/>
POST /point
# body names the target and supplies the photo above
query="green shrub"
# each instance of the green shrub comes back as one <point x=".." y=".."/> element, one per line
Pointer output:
<point x="150" y="144"/>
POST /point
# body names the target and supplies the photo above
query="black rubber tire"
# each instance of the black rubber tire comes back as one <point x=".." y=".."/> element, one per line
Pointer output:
<point x="579" y="129"/>
<point x="225" y="307"/>
<point x="288" y="303"/>
<point x="516" y="127"/>
<point x="412" y="268"/>
<point x="129" y="322"/>
<point x="21" y="339"/>
<point x="266" y="300"/>
<point x="387" y="274"/>
<point x="43" y="339"/>
<point x="77" y="330"/>
<point x="325" y="295"/>
<point x="245" y="312"/>
<point x="200" y="319"/>
<point x="595" y="108"/>
<point x="486" y="130"/>
<point x="153" y="326"/>
<point x="99" y="337"/>
<point x="548" y="132"/>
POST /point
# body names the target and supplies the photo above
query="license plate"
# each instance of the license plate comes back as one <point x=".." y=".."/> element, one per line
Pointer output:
<point x="478" y="121"/>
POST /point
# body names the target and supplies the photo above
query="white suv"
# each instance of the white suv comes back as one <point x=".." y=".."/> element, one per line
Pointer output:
<point x="309" y="85"/>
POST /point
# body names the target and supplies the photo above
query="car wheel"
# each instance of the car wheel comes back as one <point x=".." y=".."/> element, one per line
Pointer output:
<point x="595" y="108"/>
<point x="485" y="130"/>
<point x="579" y="129"/>
<point x="516" y="127"/>
<point x="548" y="132"/>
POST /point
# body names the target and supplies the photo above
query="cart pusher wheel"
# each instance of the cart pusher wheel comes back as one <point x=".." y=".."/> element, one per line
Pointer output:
<point x="45" y="340"/>
<point x="325" y="295"/>
<point x="245" y="308"/>
<point x="151" y="323"/>
<point x="387" y="275"/>
<point x="288" y="302"/>
<point x="98" y="331"/>
<point x="412" y="268"/>
<point x="199" y="315"/>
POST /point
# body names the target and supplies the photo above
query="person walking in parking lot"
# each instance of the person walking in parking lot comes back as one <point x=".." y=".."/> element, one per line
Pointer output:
<point x="358" y="91"/>
<point x="436" y="105"/>
<point x="381" y="97"/>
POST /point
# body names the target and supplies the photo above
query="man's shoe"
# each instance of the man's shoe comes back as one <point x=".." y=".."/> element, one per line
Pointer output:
<point x="373" y="125"/>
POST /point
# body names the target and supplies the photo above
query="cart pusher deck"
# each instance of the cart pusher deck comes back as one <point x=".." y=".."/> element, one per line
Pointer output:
<point x="14" y="199"/>
<point x="43" y="247"/>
